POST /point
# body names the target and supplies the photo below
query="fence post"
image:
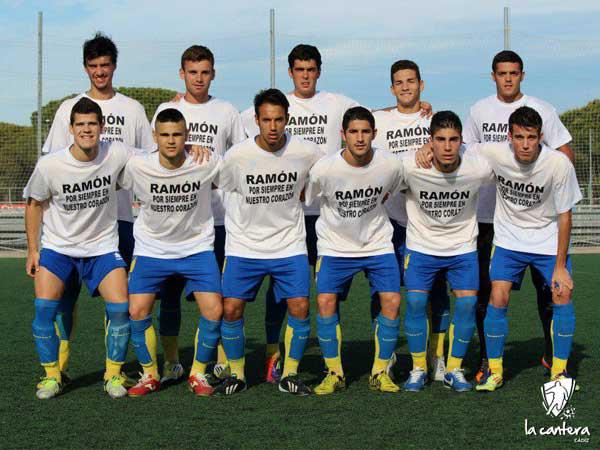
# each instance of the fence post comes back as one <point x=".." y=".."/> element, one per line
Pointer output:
<point x="39" y="88"/>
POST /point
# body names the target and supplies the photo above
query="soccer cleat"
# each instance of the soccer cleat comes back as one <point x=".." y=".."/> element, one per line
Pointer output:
<point x="115" y="387"/>
<point x="230" y="385"/>
<point x="416" y="380"/>
<point x="292" y="384"/>
<point x="490" y="382"/>
<point x="221" y="371"/>
<point x="483" y="370"/>
<point x="545" y="364"/>
<point x="199" y="385"/>
<point x="330" y="384"/>
<point x="144" y="386"/>
<point x="172" y="372"/>
<point x="563" y="375"/>
<point x="456" y="380"/>
<point x="47" y="388"/>
<point x="273" y="369"/>
<point x="382" y="382"/>
<point x="438" y="368"/>
<point x="390" y="367"/>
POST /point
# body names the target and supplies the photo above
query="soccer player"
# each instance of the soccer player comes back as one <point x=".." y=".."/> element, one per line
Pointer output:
<point x="125" y="121"/>
<point x="212" y="123"/>
<point x="315" y="116"/>
<point x="354" y="235"/>
<point x="72" y="197"/>
<point x="488" y="122"/>
<point x="264" y="177"/>
<point x="174" y="235"/>
<point x="403" y="130"/>
<point x="441" y="238"/>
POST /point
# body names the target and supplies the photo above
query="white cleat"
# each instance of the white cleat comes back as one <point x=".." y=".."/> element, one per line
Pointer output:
<point x="438" y="368"/>
<point x="172" y="372"/>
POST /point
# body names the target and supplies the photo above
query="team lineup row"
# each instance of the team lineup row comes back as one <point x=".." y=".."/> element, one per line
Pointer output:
<point x="261" y="180"/>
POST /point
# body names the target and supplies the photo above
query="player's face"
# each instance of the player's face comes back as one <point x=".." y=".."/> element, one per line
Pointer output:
<point x="100" y="70"/>
<point x="305" y="74"/>
<point x="407" y="87"/>
<point x="170" y="138"/>
<point x="446" y="145"/>
<point x="358" y="136"/>
<point x="526" y="143"/>
<point x="508" y="77"/>
<point x="271" y="121"/>
<point x="86" y="130"/>
<point x="197" y="76"/>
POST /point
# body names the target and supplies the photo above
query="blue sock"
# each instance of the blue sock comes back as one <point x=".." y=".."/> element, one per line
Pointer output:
<point x="300" y="333"/>
<point x="464" y="325"/>
<point x="440" y="309"/>
<point x="233" y="338"/>
<point x="415" y="322"/>
<point x="387" y="336"/>
<point x="169" y="313"/>
<point x="327" y="334"/>
<point x="274" y="316"/>
<point x="44" y="334"/>
<point x="117" y="331"/>
<point x="563" y="328"/>
<point x="495" y="326"/>
<point x="207" y="338"/>
<point x="138" y="339"/>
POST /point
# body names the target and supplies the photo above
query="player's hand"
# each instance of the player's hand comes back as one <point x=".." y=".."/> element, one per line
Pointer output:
<point x="424" y="156"/>
<point x="562" y="283"/>
<point x="32" y="266"/>
<point x="426" y="109"/>
<point x="200" y="154"/>
<point x="385" y="198"/>
<point x="178" y="96"/>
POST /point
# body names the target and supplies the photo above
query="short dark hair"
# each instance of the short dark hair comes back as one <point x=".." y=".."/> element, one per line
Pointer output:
<point x="197" y="53"/>
<point x="304" y="52"/>
<point x="99" y="45"/>
<point x="525" y="117"/>
<point x="445" y="119"/>
<point x="507" y="56"/>
<point x="86" y="105"/>
<point x="404" y="64"/>
<point x="357" y="113"/>
<point x="273" y="97"/>
<point x="170" y="115"/>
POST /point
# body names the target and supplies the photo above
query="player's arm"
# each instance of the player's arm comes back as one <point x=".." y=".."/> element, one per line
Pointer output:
<point x="33" y="224"/>
<point x="562" y="284"/>
<point x="567" y="150"/>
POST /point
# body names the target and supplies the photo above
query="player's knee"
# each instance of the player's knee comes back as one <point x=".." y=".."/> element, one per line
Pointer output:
<point x="327" y="304"/>
<point x="563" y="299"/>
<point x="499" y="298"/>
<point x="232" y="311"/>
<point x="213" y="310"/>
<point x="298" y="308"/>
<point x="138" y="312"/>
<point x="390" y="304"/>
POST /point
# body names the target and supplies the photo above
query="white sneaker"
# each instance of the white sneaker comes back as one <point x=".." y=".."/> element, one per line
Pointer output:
<point x="437" y="367"/>
<point x="172" y="372"/>
<point x="115" y="387"/>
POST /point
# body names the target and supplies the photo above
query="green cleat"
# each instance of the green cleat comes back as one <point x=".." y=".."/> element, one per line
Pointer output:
<point x="490" y="383"/>
<point x="48" y="387"/>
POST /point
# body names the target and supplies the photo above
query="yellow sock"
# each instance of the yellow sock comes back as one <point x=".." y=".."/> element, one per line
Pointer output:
<point x="198" y="367"/>
<point x="221" y="356"/>
<point x="272" y="350"/>
<point x="237" y="368"/>
<point x="290" y="365"/>
<point x="436" y="344"/>
<point x="419" y="360"/>
<point x="64" y="351"/>
<point x="496" y="366"/>
<point x="453" y="363"/>
<point x="379" y="365"/>
<point x="558" y="366"/>
<point x="113" y="369"/>
<point x="170" y="348"/>
<point x="52" y="370"/>
<point x="335" y="365"/>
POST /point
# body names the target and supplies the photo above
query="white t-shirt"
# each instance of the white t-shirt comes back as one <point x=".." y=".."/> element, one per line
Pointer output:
<point x="175" y="218"/>
<point x="215" y="124"/>
<point x="530" y="197"/>
<point x="353" y="221"/>
<point x="264" y="216"/>
<point x="401" y="134"/>
<point x="488" y="123"/>
<point x="80" y="218"/>
<point x="317" y="119"/>
<point x="124" y="121"/>
<point x="442" y="206"/>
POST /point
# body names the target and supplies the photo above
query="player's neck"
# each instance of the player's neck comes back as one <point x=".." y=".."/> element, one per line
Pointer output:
<point x="408" y="109"/>
<point x="172" y="163"/>
<point x="304" y="96"/>
<point x="358" y="160"/>
<point x="101" y="94"/>
<point x="263" y="144"/>
<point x="510" y="98"/>
<point x="446" y="168"/>
<point x="84" y="155"/>
<point x="196" y="99"/>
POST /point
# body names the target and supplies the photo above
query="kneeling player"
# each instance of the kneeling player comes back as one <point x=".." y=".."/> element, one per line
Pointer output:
<point x="354" y="235"/>
<point x="441" y="238"/>
<point x="71" y="195"/>
<point x="174" y="236"/>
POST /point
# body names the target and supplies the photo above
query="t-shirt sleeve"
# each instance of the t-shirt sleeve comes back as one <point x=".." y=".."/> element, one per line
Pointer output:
<point x="470" y="131"/>
<point x="555" y="133"/>
<point x="125" y="179"/>
<point x="59" y="135"/>
<point x="399" y="181"/>
<point x="37" y="186"/>
<point x="313" y="187"/>
<point x="238" y="134"/>
<point x="566" y="190"/>
<point x="214" y="165"/>
<point x="227" y="178"/>
<point x="248" y="122"/>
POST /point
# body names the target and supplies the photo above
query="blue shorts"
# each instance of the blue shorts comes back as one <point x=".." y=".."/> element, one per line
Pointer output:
<point x="420" y="270"/>
<point x="126" y="240"/>
<point x="200" y="273"/>
<point x="91" y="270"/>
<point x="510" y="265"/>
<point x="242" y="277"/>
<point x="334" y="273"/>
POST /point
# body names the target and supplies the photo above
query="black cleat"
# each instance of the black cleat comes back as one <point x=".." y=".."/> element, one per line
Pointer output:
<point x="230" y="386"/>
<point x="292" y="384"/>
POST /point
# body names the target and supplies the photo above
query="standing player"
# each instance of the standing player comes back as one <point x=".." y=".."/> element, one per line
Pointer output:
<point x="441" y="203"/>
<point x="264" y="177"/>
<point x="212" y="123"/>
<point x="354" y="235"/>
<point x="125" y="121"/>
<point x="174" y="235"/>
<point x="403" y="130"/>
<point x="71" y="196"/>
<point x="488" y="122"/>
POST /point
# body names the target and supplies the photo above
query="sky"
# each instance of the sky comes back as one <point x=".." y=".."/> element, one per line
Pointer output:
<point x="452" y="41"/>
